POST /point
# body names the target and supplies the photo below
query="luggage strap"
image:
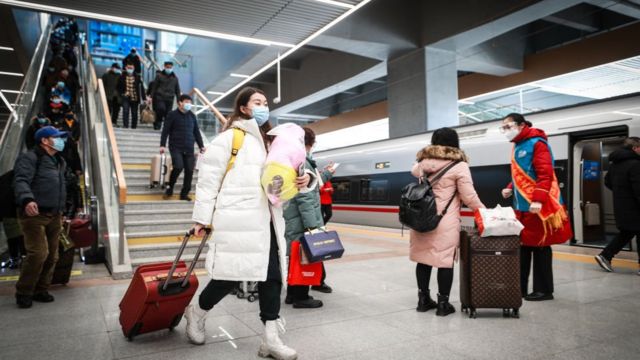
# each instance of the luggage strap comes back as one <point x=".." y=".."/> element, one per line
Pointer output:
<point x="238" y="139"/>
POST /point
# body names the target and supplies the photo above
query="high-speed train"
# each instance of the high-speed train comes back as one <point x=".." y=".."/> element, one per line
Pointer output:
<point x="369" y="180"/>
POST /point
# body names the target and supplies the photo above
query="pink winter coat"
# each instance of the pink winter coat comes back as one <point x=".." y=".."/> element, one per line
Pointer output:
<point x="438" y="247"/>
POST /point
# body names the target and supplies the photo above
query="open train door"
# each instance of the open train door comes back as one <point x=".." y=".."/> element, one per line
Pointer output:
<point x="591" y="202"/>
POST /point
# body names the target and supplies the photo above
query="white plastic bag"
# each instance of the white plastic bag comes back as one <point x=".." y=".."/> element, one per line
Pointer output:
<point x="498" y="221"/>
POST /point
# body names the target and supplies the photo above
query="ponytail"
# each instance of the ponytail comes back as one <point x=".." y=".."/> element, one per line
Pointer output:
<point x="518" y="119"/>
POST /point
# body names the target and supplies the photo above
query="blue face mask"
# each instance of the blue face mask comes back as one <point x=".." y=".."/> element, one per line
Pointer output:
<point x="261" y="114"/>
<point x="129" y="71"/>
<point x="61" y="84"/>
<point x="42" y="121"/>
<point x="57" y="101"/>
<point x="168" y="71"/>
<point x="117" y="71"/>
<point x="187" y="106"/>
<point x="58" y="144"/>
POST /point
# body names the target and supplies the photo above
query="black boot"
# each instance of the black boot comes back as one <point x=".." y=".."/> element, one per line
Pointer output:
<point x="444" y="307"/>
<point x="425" y="302"/>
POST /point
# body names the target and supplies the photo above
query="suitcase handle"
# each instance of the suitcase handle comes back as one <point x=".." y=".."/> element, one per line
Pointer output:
<point x="187" y="236"/>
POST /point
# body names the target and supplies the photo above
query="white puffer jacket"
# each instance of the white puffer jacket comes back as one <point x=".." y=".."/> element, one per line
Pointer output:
<point x="238" y="210"/>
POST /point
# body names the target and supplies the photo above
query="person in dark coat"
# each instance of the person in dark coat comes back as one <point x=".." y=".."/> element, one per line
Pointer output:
<point x="623" y="178"/>
<point x="40" y="193"/>
<point x="56" y="111"/>
<point x="132" y="93"/>
<point x="181" y="127"/>
<point x="110" y="81"/>
<point x="165" y="87"/>
<point x="37" y="122"/>
<point x="134" y="59"/>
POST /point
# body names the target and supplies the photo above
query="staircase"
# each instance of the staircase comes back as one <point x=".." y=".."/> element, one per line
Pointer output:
<point x="154" y="226"/>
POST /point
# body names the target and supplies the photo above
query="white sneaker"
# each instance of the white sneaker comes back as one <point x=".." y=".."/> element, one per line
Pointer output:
<point x="272" y="345"/>
<point x="195" y="324"/>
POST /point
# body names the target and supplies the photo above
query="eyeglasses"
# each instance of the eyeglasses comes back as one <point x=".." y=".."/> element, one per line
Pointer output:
<point x="504" y="128"/>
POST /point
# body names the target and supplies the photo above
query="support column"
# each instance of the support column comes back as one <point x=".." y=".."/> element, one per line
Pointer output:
<point x="422" y="92"/>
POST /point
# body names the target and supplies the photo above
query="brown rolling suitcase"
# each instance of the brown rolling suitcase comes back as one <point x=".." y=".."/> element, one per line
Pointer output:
<point x="160" y="170"/>
<point x="490" y="274"/>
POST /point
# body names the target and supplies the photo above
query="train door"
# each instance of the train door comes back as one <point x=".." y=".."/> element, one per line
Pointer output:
<point x="592" y="205"/>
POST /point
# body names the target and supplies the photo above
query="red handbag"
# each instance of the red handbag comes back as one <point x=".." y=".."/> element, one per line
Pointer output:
<point x="302" y="274"/>
<point x="81" y="232"/>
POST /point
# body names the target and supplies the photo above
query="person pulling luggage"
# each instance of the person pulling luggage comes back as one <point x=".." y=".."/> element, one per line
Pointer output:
<point x="181" y="128"/>
<point x="437" y="248"/>
<point x="538" y="204"/>
<point x="248" y="233"/>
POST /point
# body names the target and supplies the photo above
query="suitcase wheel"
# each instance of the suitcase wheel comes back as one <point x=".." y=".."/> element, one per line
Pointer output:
<point x="240" y="295"/>
<point x="134" y="331"/>
<point x="515" y="313"/>
<point x="464" y="309"/>
<point x="506" y="313"/>
<point x="473" y="313"/>
<point x="175" y="322"/>
<point x="252" y="298"/>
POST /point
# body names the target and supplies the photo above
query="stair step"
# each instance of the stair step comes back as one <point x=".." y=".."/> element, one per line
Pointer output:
<point x="178" y="234"/>
<point x="155" y="197"/>
<point x="138" y="190"/>
<point x="167" y="258"/>
<point x="165" y="249"/>
<point x="156" y="214"/>
<point x="158" y="205"/>
<point x="164" y="227"/>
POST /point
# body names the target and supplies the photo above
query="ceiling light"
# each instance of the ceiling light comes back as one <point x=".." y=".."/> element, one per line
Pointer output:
<point x="6" y="48"/>
<point x="6" y="102"/>
<point x="142" y="23"/>
<point x="12" y="91"/>
<point x="466" y="102"/>
<point x="336" y="3"/>
<point x="240" y="75"/>
<point x="292" y="50"/>
<point x="215" y="92"/>
<point x="11" y="73"/>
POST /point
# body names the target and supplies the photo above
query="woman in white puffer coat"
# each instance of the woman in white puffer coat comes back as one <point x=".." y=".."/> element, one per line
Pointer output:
<point x="248" y="241"/>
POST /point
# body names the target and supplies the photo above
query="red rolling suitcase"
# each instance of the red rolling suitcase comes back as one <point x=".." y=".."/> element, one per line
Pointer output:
<point x="159" y="293"/>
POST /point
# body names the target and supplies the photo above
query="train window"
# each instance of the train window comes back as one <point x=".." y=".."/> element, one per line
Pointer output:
<point x="341" y="190"/>
<point x="374" y="190"/>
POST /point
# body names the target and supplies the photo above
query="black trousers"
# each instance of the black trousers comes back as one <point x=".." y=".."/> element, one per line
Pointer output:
<point x="129" y="106"/>
<point x="114" y="110"/>
<point x="268" y="291"/>
<point x="327" y="212"/>
<point x="620" y="241"/>
<point x="542" y="269"/>
<point x="161" y="109"/>
<point x="182" y="161"/>
<point x="445" y="278"/>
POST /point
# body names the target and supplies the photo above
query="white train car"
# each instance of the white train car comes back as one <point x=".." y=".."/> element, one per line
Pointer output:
<point x="368" y="182"/>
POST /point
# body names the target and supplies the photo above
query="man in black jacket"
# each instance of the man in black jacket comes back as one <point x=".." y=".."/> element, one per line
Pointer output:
<point x="623" y="179"/>
<point x="110" y="81"/>
<point x="132" y="93"/>
<point x="40" y="193"/>
<point x="165" y="87"/>
<point x="182" y="129"/>
<point x="134" y="59"/>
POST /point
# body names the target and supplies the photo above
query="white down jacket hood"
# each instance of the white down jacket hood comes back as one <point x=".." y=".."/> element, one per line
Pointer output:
<point x="238" y="209"/>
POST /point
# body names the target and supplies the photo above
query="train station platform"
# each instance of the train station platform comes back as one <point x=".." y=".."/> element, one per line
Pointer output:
<point x="370" y="315"/>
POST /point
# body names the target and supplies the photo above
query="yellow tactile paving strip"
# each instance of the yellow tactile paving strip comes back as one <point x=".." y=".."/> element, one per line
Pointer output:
<point x="157" y="240"/>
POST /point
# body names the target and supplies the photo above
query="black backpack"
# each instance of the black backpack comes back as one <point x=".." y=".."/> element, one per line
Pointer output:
<point x="418" y="209"/>
<point x="8" y="206"/>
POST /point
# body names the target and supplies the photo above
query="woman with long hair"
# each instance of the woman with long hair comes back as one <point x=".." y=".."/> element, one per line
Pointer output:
<point x="248" y="242"/>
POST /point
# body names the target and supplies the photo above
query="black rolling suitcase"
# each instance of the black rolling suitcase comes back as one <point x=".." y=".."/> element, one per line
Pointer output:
<point x="64" y="266"/>
<point x="490" y="273"/>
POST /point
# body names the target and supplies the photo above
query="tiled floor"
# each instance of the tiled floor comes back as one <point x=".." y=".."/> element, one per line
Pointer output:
<point x="370" y="315"/>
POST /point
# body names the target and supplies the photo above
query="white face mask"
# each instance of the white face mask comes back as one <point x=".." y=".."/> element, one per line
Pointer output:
<point x="511" y="133"/>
